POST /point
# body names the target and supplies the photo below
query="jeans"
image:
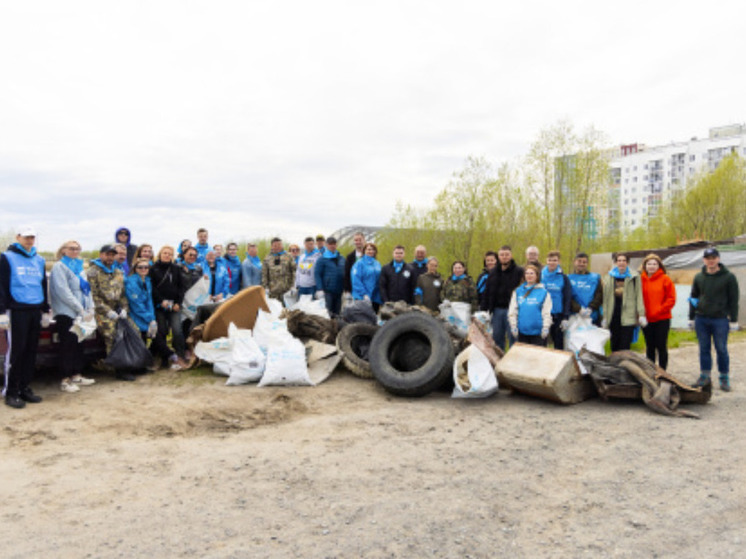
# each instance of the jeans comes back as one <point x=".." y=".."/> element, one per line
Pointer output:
<point x="170" y="320"/>
<point x="715" y="329"/>
<point x="500" y="327"/>
<point x="307" y="290"/>
<point x="333" y="303"/>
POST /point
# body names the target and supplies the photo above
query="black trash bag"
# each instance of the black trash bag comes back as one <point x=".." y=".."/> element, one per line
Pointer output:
<point x="359" y="311"/>
<point x="128" y="350"/>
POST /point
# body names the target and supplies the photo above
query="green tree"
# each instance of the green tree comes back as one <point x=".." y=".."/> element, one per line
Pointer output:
<point x="713" y="206"/>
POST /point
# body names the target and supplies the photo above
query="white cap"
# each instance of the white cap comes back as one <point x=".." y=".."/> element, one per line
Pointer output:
<point x="26" y="231"/>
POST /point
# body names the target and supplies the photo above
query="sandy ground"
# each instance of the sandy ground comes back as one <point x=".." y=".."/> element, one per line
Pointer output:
<point x="182" y="466"/>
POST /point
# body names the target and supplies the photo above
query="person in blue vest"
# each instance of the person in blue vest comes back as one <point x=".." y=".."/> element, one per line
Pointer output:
<point x="138" y="287"/>
<point x="219" y="281"/>
<point x="530" y="310"/>
<point x="24" y="311"/>
<point x="329" y="273"/>
<point x="587" y="291"/>
<point x="202" y="246"/>
<point x="251" y="268"/>
<point x="233" y="267"/>
<point x="365" y="273"/>
<point x="560" y="290"/>
<point x="305" y="279"/>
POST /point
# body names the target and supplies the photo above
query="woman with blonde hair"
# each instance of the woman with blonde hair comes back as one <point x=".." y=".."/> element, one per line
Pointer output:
<point x="70" y="295"/>
<point x="168" y="291"/>
<point x="659" y="296"/>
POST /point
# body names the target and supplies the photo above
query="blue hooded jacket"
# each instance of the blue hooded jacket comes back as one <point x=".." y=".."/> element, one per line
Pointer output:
<point x="233" y="266"/>
<point x="219" y="280"/>
<point x="140" y="297"/>
<point x="251" y="271"/>
<point x="365" y="274"/>
<point x="329" y="272"/>
<point x="131" y="249"/>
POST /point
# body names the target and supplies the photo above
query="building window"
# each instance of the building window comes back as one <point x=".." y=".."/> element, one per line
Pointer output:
<point x="692" y="157"/>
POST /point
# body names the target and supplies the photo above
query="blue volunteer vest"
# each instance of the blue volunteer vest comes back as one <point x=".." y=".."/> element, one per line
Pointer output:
<point x="583" y="287"/>
<point x="530" y="322"/>
<point x="554" y="282"/>
<point x="26" y="275"/>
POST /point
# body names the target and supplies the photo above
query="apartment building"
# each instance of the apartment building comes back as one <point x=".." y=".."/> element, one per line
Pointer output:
<point x="643" y="178"/>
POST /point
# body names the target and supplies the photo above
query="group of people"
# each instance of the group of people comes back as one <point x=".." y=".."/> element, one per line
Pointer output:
<point x="530" y="303"/>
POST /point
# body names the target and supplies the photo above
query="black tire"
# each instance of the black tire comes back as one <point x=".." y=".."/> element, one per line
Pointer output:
<point x="412" y="355"/>
<point x="354" y="341"/>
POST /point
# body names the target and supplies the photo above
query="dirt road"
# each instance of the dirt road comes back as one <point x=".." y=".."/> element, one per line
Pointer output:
<point x="176" y="466"/>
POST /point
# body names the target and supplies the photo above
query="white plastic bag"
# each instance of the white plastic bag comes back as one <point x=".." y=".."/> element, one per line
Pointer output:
<point x="290" y="298"/>
<point x="84" y="329"/>
<point x="286" y="365"/>
<point x="247" y="360"/>
<point x="481" y="375"/>
<point x="197" y="295"/>
<point x="275" y="307"/>
<point x="218" y="352"/>
<point x="269" y="330"/>
<point x="582" y="333"/>
<point x="309" y="305"/>
<point x="458" y="314"/>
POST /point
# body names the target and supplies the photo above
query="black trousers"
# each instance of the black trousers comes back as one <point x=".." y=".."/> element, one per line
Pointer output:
<point x="621" y="336"/>
<point x="556" y="333"/>
<point x="23" y="341"/>
<point x="533" y="340"/>
<point x="72" y="359"/>
<point x="158" y="346"/>
<point x="656" y="341"/>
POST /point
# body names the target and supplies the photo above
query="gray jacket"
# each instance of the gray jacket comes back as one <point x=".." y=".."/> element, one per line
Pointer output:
<point x="65" y="294"/>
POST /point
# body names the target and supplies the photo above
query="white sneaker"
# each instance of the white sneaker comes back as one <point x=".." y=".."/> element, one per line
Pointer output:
<point x="82" y="381"/>
<point x="67" y="386"/>
<point x="176" y="367"/>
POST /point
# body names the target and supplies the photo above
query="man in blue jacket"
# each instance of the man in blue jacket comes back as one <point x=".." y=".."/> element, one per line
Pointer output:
<point x="587" y="292"/>
<point x="560" y="290"/>
<point x="329" y="273"/>
<point x="24" y="310"/>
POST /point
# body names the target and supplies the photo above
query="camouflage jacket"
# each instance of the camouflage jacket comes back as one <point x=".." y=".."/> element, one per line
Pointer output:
<point x="107" y="290"/>
<point x="278" y="274"/>
<point x="461" y="291"/>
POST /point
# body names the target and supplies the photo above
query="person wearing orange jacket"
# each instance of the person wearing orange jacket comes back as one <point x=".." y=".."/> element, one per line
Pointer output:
<point x="659" y="296"/>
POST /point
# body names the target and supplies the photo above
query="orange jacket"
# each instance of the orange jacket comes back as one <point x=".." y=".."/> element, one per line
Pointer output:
<point x="659" y="295"/>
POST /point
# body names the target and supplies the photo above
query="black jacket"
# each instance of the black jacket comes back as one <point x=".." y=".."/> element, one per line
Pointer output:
<point x="397" y="287"/>
<point x="167" y="282"/>
<point x="500" y="286"/>
<point x="349" y="262"/>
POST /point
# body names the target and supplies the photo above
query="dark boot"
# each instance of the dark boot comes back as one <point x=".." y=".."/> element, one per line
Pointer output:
<point x="703" y="381"/>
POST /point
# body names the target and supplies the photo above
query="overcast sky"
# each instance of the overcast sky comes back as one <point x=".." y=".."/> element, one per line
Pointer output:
<point x="295" y="118"/>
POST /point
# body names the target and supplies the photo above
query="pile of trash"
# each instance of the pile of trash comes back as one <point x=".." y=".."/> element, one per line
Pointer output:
<point x="413" y="351"/>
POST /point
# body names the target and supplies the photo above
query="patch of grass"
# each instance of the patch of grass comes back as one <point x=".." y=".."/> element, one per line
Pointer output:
<point x="679" y="338"/>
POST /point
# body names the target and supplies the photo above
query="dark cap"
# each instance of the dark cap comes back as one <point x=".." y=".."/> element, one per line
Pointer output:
<point x="308" y="239"/>
<point x="319" y="237"/>
<point x="107" y="248"/>
<point x="331" y="241"/>
<point x="711" y="252"/>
